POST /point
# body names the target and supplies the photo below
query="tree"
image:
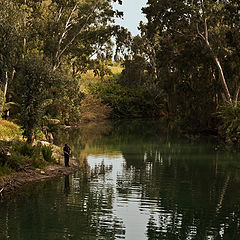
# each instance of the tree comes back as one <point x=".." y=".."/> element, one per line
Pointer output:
<point x="207" y="22"/>
<point x="34" y="81"/>
<point x="10" y="44"/>
<point x="72" y="31"/>
<point x="196" y="50"/>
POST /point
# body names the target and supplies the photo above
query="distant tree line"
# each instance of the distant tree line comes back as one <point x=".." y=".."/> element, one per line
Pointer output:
<point x="184" y="66"/>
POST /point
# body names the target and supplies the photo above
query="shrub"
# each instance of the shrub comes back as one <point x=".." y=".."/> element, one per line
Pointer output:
<point x="24" y="149"/>
<point x="9" y="129"/>
<point x="93" y="109"/>
<point x="32" y="154"/>
<point x="11" y="159"/>
<point x="126" y="102"/>
<point x="16" y="161"/>
<point x="5" y="170"/>
<point x="47" y="154"/>
<point x="38" y="162"/>
<point x="230" y="123"/>
<point x="15" y="156"/>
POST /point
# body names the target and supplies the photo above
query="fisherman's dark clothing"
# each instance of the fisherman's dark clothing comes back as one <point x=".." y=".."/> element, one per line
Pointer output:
<point x="66" y="151"/>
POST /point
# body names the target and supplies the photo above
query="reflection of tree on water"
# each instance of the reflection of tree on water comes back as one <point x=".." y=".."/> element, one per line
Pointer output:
<point x="194" y="193"/>
<point x="81" y="215"/>
<point x="193" y="199"/>
<point x="100" y="170"/>
<point x="82" y="135"/>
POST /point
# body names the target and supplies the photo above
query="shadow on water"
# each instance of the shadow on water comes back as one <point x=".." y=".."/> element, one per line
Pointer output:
<point x="66" y="185"/>
<point x="140" y="181"/>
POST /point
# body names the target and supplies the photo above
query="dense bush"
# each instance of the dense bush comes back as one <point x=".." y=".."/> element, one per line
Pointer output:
<point x="92" y="109"/>
<point x="14" y="157"/>
<point x="47" y="154"/>
<point x="10" y="159"/>
<point x="229" y="127"/>
<point x="126" y="102"/>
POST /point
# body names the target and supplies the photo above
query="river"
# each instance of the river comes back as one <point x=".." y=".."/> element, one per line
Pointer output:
<point x="141" y="182"/>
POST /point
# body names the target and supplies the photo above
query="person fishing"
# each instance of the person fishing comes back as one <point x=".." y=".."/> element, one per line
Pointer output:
<point x="66" y="152"/>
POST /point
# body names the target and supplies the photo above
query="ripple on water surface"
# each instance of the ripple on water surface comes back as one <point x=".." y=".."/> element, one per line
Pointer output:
<point x="143" y="192"/>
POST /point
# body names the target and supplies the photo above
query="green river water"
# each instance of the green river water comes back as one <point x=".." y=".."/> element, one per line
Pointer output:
<point x="143" y="182"/>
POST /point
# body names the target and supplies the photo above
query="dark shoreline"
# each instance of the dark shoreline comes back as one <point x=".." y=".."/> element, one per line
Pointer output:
<point x="13" y="182"/>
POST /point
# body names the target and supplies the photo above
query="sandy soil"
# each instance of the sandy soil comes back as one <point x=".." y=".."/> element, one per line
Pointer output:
<point x="13" y="182"/>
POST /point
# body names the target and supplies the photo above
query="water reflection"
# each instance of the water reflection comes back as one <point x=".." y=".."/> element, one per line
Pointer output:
<point x="66" y="185"/>
<point x="138" y="183"/>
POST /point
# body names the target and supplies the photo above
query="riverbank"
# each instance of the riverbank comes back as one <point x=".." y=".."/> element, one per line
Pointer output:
<point x="14" y="182"/>
<point x="21" y="163"/>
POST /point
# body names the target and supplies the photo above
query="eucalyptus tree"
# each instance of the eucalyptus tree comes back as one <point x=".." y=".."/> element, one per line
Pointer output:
<point x="213" y="24"/>
<point x="74" y="30"/>
<point x="10" y="44"/>
<point x="197" y="51"/>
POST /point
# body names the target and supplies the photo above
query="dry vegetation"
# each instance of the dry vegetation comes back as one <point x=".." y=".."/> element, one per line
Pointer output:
<point x="9" y="130"/>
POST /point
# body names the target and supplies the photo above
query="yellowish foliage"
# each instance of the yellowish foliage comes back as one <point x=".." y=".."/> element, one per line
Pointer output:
<point x="9" y="130"/>
<point x="92" y="109"/>
<point x="90" y="78"/>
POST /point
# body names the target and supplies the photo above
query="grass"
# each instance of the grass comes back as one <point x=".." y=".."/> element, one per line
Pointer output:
<point x="16" y="155"/>
<point x="5" y="171"/>
<point x="9" y="130"/>
<point x="89" y="77"/>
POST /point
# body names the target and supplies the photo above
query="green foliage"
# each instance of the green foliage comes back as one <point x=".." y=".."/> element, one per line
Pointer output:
<point x="184" y="44"/>
<point x="11" y="160"/>
<point x="34" y="81"/>
<point x="9" y="130"/>
<point x="230" y="123"/>
<point x="24" y="149"/>
<point x="47" y="154"/>
<point x="71" y="30"/>
<point x="14" y="156"/>
<point x="42" y="37"/>
<point x="5" y="171"/>
<point x="11" y="33"/>
<point x="17" y="161"/>
<point x="66" y="98"/>
<point x="125" y="102"/>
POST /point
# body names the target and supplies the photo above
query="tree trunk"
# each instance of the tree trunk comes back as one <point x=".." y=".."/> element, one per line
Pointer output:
<point x="30" y="136"/>
<point x="236" y="94"/>
<point x="24" y="26"/>
<point x="223" y="81"/>
<point x="4" y="99"/>
<point x="204" y="36"/>
<point x="4" y="95"/>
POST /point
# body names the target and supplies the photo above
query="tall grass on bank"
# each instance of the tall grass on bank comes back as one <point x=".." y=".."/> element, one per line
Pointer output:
<point x="89" y="78"/>
<point x="9" y="130"/>
<point x="14" y="157"/>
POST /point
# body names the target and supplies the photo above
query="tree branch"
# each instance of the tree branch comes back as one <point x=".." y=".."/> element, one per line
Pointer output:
<point x="236" y="94"/>
<point x="66" y="29"/>
<point x="59" y="14"/>
<point x="205" y="37"/>
<point x="61" y="52"/>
